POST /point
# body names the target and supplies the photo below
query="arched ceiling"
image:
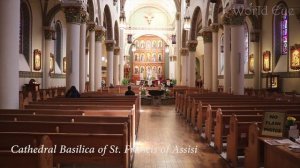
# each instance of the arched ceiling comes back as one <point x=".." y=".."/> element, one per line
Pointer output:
<point x="169" y="7"/>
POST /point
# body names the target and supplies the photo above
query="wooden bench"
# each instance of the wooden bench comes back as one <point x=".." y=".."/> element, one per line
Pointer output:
<point x="254" y="150"/>
<point x="71" y="140"/>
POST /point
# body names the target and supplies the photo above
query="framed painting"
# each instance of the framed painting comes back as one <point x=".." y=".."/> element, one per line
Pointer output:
<point x="295" y="57"/>
<point x="52" y="61"/>
<point x="267" y="61"/>
<point x="251" y="63"/>
<point x="37" y="59"/>
<point x="64" y="65"/>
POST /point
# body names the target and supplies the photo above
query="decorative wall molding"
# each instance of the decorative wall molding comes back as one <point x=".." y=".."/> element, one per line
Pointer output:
<point x="27" y="74"/>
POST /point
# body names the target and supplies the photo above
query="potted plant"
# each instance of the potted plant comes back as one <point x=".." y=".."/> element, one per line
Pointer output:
<point x="292" y="127"/>
<point x="125" y="81"/>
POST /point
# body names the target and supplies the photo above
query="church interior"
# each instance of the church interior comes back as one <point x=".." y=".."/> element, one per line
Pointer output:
<point x="149" y="84"/>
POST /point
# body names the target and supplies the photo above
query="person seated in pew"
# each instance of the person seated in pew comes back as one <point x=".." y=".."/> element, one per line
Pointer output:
<point x="129" y="92"/>
<point x="72" y="93"/>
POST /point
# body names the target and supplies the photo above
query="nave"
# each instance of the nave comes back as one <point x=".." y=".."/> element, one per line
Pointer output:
<point x="161" y="127"/>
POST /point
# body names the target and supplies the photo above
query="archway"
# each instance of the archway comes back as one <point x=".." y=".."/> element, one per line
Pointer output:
<point x="107" y="23"/>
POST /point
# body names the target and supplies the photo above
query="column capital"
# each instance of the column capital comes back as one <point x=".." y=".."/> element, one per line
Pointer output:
<point x="215" y="27"/>
<point x="234" y="17"/>
<point x="74" y="13"/>
<point x="184" y="51"/>
<point x="84" y="17"/>
<point x="110" y="44"/>
<point x="177" y="15"/>
<point x="254" y="36"/>
<point x="206" y="33"/>
<point x="192" y="45"/>
<point x="117" y="51"/>
<point x="99" y="33"/>
<point x="48" y="32"/>
<point x="91" y="26"/>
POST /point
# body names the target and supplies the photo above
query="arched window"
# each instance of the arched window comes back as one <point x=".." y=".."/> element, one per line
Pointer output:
<point x="58" y="43"/>
<point x="221" y="56"/>
<point x="24" y="33"/>
<point x="280" y="31"/>
<point x="284" y="35"/>
<point x="246" y="57"/>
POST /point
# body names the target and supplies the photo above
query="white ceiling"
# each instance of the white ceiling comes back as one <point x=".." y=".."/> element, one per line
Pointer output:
<point x="166" y="7"/>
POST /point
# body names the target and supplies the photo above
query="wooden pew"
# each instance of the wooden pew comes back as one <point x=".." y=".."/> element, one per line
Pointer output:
<point x="237" y="139"/>
<point x="222" y="121"/>
<point x="31" y="160"/>
<point x="254" y="150"/>
<point x="72" y="140"/>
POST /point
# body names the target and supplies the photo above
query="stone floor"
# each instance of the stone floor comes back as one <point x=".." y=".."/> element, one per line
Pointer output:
<point x="166" y="141"/>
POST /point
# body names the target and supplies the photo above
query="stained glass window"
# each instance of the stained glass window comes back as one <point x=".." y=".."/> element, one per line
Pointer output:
<point x="246" y="49"/>
<point x="284" y="34"/>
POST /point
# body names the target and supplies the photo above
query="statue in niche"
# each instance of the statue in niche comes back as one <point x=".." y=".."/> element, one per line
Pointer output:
<point x="136" y="70"/>
<point x="159" y="43"/>
<point x="142" y="44"/>
<point x="159" y="58"/>
<point x="153" y="57"/>
<point x="142" y="57"/>
<point x="153" y="44"/>
<point x="148" y="44"/>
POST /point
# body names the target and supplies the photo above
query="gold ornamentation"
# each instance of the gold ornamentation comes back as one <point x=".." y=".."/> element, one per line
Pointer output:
<point x="251" y="63"/>
<point x="37" y="59"/>
<point x="295" y="57"/>
<point x="267" y="61"/>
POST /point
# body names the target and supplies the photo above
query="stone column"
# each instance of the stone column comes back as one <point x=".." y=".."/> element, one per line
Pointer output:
<point x="117" y="65"/>
<point x="49" y="46"/>
<point x="207" y="38"/>
<point x="82" y="71"/>
<point x="184" y="76"/>
<point x="215" y="29"/>
<point x="110" y="61"/>
<point x="178" y="47"/>
<point x="192" y="45"/>
<point x="92" y="56"/>
<point x="73" y="12"/>
<point x="122" y="46"/>
<point x="227" y="64"/>
<point x="255" y="43"/>
<point x="99" y="34"/>
<point x="9" y="54"/>
<point x="237" y="54"/>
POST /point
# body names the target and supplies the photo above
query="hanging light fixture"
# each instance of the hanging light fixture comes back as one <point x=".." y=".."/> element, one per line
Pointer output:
<point x="173" y="37"/>
<point x="187" y="19"/>
<point x="122" y="20"/>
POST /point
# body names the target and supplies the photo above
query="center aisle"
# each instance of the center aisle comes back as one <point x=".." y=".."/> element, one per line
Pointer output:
<point x="162" y="137"/>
